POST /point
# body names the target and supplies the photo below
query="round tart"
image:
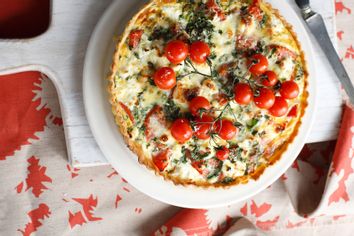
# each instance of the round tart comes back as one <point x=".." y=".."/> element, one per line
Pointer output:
<point x="207" y="92"/>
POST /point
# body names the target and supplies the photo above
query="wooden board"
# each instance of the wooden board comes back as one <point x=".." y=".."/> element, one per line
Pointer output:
<point x="59" y="53"/>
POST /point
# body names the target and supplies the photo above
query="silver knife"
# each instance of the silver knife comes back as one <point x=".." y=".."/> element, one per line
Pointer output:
<point x="317" y="27"/>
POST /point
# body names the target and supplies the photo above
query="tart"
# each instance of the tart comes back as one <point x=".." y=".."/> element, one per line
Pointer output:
<point x="208" y="93"/>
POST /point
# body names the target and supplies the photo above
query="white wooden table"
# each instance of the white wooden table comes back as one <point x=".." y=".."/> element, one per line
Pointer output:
<point x="59" y="53"/>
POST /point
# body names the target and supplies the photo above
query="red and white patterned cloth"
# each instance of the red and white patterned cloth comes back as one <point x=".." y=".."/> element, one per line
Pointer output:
<point x="40" y="193"/>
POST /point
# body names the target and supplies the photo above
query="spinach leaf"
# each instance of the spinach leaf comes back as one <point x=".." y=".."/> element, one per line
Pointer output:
<point x="161" y="33"/>
<point x="172" y="111"/>
<point x="227" y="180"/>
<point x="216" y="171"/>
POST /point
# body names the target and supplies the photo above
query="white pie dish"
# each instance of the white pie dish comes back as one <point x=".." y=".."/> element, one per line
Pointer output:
<point x="98" y="110"/>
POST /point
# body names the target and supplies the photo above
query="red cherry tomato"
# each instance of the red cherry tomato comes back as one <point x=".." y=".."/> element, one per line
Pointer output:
<point x="198" y="103"/>
<point x="226" y="129"/>
<point x="198" y="165"/>
<point x="176" y="51"/>
<point x="293" y="112"/>
<point x="269" y="78"/>
<point x="202" y="127"/>
<point x="134" y="38"/>
<point x="280" y="107"/>
<point x="165" y="78"/>
<point x="199" y="52"/>
<point x="181" y="130"/>
<point x="222" y="154"/>
<point x="289" y="90"/>
<point x="213" y="6"/>
<point x="258" y="64"/>
<point x="265" y="99"/>
<point x="243" y="93"/>
<point x="255" y="10"/>
<point x="161" y="160"/>
<point x="127" y="110"/>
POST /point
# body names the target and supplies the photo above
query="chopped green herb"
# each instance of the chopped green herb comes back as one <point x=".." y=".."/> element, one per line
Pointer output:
<point x="251" y="124"/>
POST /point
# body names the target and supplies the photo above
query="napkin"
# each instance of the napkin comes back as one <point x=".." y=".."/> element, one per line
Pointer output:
<point x="313" y="194"/>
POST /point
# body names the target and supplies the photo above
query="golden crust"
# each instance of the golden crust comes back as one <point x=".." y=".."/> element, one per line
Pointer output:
<point x="121" y="116"/>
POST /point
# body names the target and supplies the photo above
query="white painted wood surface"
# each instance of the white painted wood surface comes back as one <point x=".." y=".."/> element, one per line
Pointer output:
<point x="60" y="52"/>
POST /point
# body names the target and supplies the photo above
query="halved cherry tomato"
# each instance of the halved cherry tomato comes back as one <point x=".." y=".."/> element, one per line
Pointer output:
<point x="226" y="129"/>
<point x="243" y="93"/>
<point x="269" y="78"/>
<point x="202" y="127"/>
<point x="199" y="52"/>
<point x="181" y="130"/>
<point x="134" y="38"/>
<point x="198" y="103"/>
<point x="156" y="113"/>
<point x="280" y="107"/>
<point x="222" y="154"/>
<point x="176" y="51"/>
<point x="255" y="10"/>
<point x="127" y="110"/>
<point x="198" y="165"/>
<point x="265" y="98"/>
<point x="282" y="52"/>
<point x="293" y="112"/>
<point x="213" y="6"/>
<point x="289" y="89"/>
<point x="258" y="64"/>
<point x="161" y="160"/>
<point x="165" y="78"/>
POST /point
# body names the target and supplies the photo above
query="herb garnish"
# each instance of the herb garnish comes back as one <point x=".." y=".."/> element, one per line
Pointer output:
<point x="199" y="27"/>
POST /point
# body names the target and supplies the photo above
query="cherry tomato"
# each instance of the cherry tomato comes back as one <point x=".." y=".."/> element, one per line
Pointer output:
<point x="181" y="130"/>
<point x="134" y="38"/>
<point x="269" y="78"/>
<point x="289" y="90"/>
<point x="255" y="10"/>
<point x="258" y="64"/>
<point x="222" y="154"/>
<point x="127" y="110"/>
<point x="161" y="160"/>
<point x="226" y="129"/>
<point x="198" y="103"/>
<point x="199" y="52"/>
<point x="213" y="6"/>
<point x="265" y="99"/>
<point x="198" y="165"/>
<point x="202" y="128"/>
<point x="243" y="93"/>
<point x="165" y="78"/>
<point x="280" y="107"/>
<point x="176" y="51"/>
<point x="293" y="112"/>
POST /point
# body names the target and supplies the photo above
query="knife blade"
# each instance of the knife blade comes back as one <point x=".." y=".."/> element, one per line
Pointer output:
<point x="317" y="27"/>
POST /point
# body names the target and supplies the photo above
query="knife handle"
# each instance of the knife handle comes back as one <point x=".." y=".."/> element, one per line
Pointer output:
<point x="303" y="3"/>
<point x="319" y="31"/>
